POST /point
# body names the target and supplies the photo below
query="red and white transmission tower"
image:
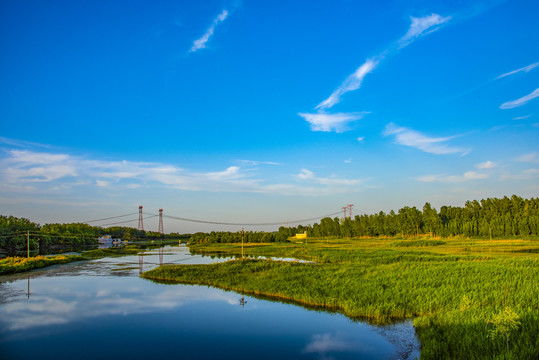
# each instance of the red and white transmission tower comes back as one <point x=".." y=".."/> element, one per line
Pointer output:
<point x="349" y="208"/>
<point x="161" y="222"/>
<point x="140" y="224"/>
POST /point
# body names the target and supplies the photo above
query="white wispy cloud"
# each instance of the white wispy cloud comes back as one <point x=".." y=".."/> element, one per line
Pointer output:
<point x="256" y="162"/>
<point x="486" y="165"/>
<point x="525" y="69"/>
<point x="529" y="158"/>
<point x="200" y="43"/>
<point x="419" y="27"/>
<point x="422" y="26"/>
<point x="25" y="172"/>
<point x="308" y="175"/>
<point x="467" y="176"/>
<point x="337" y="122"/>
<point x="527" y="174"/>
<point x="521" y="117"/>
<point x="415" y="139"/>
<point x="22" y="143"/>
<point x="352" y="82"/>
<point x="522" y="101"/>
<point x="331" y="122"/>
<point x="233" y="172"/>
<point x="361" y="138"/>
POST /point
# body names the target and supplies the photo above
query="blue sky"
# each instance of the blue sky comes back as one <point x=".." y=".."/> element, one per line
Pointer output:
<point x="264" y="111"/>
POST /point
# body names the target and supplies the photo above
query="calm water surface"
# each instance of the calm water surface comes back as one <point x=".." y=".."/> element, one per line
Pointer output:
<point x="102" y="309"/>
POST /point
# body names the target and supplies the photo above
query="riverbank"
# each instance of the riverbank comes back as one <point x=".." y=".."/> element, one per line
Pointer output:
<point x="469" y="298"/>
<point x="17" y="264"/>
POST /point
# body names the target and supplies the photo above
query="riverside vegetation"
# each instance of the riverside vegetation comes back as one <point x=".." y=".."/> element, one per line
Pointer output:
<point x="18" y="264"/>
<point x="469" y="298"/>
<point x="16" y="234"/>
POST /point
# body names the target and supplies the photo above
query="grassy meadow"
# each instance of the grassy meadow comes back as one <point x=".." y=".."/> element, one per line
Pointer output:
<point x="470" y="299"/>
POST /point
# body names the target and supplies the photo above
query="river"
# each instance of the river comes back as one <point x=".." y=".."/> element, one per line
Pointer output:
<point x="103" y="309"/>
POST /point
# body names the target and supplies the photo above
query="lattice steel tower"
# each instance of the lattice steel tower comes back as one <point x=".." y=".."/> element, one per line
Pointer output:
<point x="161" y="222"/>
<point x="140" y="224"/>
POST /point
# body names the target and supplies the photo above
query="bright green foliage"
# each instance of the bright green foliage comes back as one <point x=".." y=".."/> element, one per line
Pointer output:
<point x="235" y="237"/>
<point x="450" y="293"/>
<point x="11" y="265"/>
<point x="13" y="233"/>
<point x="17" y="264"/>
<point x="503" y="324"/>
<point x="76" y="236"/>
<point x="116" y="251"/>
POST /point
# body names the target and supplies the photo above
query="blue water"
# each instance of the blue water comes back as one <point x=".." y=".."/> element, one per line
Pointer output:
<point x="102" y="309"/>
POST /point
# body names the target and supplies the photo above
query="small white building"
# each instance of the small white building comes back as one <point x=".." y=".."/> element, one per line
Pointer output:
<point x="106" y="241"/>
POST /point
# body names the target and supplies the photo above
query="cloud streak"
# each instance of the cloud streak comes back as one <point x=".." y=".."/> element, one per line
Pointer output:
<point x="307" y="175"/>
<point x="525" y="69"/>
<point x="331" y="122"/>
<point x="520" y="102"/>
<point x="200" y="43"/>
<point x="467" y="176"/>
<point x="419" y="27"/>
<point x="529" y="158"/>
<point x="352" y="82"/>
<point x="415" y="139"/>
<point x="24" y="171"/>
<point x="486" y="165"/>
<point x="422" y="26"/>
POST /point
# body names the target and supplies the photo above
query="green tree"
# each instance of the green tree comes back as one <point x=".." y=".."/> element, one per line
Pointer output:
<point x="503" y="324"/>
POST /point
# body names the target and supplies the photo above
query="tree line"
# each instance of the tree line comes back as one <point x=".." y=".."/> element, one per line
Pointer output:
<point x="505" y="217"/>
<point x="491" y="217"/>
<point x="14" y="232"/>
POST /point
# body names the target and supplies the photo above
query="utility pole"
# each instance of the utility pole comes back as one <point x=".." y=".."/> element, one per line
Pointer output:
<point x="242" y="244"/>
<point x="242" y="300"/>
<point x="27" y="244"/>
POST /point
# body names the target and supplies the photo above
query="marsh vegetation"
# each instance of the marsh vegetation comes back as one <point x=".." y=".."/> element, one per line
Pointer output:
<point x="469" y="298"/>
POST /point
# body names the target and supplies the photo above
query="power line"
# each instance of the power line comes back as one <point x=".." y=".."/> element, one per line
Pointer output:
<point x="123" y="222"/>
<point x="14" y="234"/>
<point x="108" y="218"/>
<point x="249" y="224"/>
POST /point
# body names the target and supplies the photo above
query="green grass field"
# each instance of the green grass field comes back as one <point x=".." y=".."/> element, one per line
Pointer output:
<point x="470" y="299"/>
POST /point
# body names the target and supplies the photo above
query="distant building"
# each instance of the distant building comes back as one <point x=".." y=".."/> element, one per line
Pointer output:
<point x="106" y="241"/>
<point x="301" y="236"/>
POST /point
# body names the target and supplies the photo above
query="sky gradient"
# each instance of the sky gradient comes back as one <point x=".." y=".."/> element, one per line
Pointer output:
<point x="264" y="111"/>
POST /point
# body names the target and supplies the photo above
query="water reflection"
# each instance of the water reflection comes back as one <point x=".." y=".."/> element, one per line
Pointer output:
<point x="333" y="345"/>
<point x="72" y="308"/>
<point x="79" y="298"/>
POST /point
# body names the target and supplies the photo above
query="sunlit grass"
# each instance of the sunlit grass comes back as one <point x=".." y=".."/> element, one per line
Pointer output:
<point x="17" y="264"/>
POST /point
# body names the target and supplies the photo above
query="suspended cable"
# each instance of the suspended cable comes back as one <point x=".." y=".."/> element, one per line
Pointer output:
<point x="14" y="234"/>
<point x="112" y="217"/>
<point x="123" y="222"/>
<point x="249" y="224"/>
